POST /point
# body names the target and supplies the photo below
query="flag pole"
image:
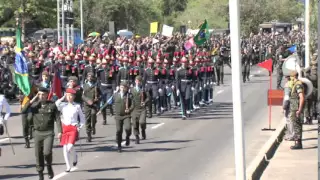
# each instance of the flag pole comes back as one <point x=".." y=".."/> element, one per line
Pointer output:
<point x="270" y="88"/>
<point x="239" y="149"/>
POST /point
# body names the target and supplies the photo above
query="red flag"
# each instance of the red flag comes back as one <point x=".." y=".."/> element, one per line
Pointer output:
<point x="56" y="86"/>
<point x="267" y="64"/>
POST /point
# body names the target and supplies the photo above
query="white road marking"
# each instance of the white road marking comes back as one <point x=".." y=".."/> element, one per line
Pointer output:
<point x="4" y="139"/>
<point x="158" y="125"/>
<point x="64" y="173"/>
<point x="219" y="91"/>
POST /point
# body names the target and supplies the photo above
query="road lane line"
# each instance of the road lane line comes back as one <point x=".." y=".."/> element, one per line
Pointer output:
<point x="158" y="125"/>
<point x="4" y="139"/>
<point x="219" y="91"/>
<point x="64" y="173"/>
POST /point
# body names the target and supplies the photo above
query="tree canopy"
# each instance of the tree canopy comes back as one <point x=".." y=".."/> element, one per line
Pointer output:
<point x="136" y="15"/>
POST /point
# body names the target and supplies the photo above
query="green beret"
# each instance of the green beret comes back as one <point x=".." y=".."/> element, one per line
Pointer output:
<point x="124" y="83"/>
<point x="73" y="78"/>
<point x="139" y="78"/>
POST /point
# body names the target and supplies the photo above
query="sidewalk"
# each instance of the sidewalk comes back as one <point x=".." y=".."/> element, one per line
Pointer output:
<point x="290" y="164"/>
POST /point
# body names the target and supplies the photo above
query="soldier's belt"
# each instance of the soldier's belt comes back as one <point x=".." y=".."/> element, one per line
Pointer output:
<point x="107" y="85"/>
<point x="64" y="76"/>
<point x="35" y="75"/>
<point x="124" y="80"/>
<point x="152" y="82"/>
<point x="186" y="80"/>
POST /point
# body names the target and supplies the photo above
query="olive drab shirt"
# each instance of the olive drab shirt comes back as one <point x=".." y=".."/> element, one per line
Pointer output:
<point x="120" y="103"/>
<point x="296" y="89"/>
<point x="138" y="96"/>
<point x="44" y="115"/>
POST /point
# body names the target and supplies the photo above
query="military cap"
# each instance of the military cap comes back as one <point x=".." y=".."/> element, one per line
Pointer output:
<point x="43" y="89"/>
<point x="73" y="78"/>
<point x="71" y="91"/>
<point x="124" y="83"/>
<point x="139" y="78"/>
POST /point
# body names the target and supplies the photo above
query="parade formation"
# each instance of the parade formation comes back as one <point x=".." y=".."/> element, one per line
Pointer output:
<point x="133" y="80"/>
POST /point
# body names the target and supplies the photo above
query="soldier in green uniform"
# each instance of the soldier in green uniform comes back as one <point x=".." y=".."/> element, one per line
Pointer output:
<point x="311" y="101"/>
<point x="284" y="53"/>
<point x="219" y="66"/>
<point x="124" y="105"/>
<point x="245" y="61"/>
<point x="139" y="113"/>
<point x="297" y="99"/>
<point x="270" y="55"/>
<point x="43" y="112"/>
<point x="90" y="96"/>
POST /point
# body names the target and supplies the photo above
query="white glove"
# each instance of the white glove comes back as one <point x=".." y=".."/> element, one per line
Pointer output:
<point x="211" y="83"/>
<point x="200" y="88"/>
<point x="160" y="90"/>
<point x="117" y="89"/>
<point x="207" y="83"/>
<point x="172" y="87"/>
<point x="167" y="87"/>
<point x="192" y="88"/>
<point x="131" y="85"/>
<point x="250" y="64"/>
<point x="178" y="92"/>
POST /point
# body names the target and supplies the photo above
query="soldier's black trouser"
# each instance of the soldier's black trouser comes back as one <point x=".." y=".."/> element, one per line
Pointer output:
<point x="279" y="77"/>
<point x="220" y="74"/>
<point x="153" y="88"/>
<point x="91" y="118"/>
<point x="43" y="144"/>
<point x="27" y="125"/>
<point x="139" y="117"/>
<point x="120" y="122"/>
<point x="162" y="94"/>
<point x="107" y="92"/>
<point x="185" y="97"/>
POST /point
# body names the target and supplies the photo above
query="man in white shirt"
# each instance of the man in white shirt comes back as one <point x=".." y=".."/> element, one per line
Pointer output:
<point x="4" y="105"/>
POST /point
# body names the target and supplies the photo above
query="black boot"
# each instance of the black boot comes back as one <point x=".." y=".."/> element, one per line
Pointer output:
<point x="41" y="177"/>
<point x="137" y="139"/>
<point x="127" y="141"/>
<point x="143" y="133"/>
<point x="89" y="138"/>
<point x="27" y="143"/>
<point x="50" y="172"/>
<point x="297" y="145"/>
<point x="93" y="131"/>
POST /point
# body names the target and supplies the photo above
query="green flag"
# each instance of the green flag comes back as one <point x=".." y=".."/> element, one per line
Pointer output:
<point x="21" y="74"/>
<point x="203" y="34"/>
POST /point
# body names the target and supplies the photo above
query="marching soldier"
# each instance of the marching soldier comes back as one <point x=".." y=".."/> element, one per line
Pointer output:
<point x="184" y="86"/>
<point x="245" y="61"/>
<point x="151" y="78"/>
<point x="107" y="81"/>
<point x="139" y="113"/>
<point x="196" y="84"/>
<point x="123" y="74"/>
<point x="124" y="105"/>
<point x="162" y="86"/>
<point x="43" y="112"/>
<point x="283" y="54"/>
<point x="219" y="66"/>
<point x="90" y="68"/>
<point x="90" y="97"/>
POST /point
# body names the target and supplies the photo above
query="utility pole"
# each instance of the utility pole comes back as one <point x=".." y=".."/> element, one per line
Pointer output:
<point x="58" y="19"/>
<point x="239" y="148"/>
<point x="307" y="33"/>
<point x="81" y="18"/>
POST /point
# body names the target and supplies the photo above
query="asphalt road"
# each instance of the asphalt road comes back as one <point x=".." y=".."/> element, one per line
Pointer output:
<point x="197" y="148"/>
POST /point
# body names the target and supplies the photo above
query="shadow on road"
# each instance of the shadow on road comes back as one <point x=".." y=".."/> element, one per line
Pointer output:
<point x="15" y="176"/>
<point x="168" y="141"/>
<point x="107" y="179"/>
<point x="26" y="166"/>
<point x="108" y="169"/>
<point x="154" y="150"/>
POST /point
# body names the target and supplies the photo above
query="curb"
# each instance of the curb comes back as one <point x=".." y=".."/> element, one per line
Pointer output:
<point x="261" y="161"/>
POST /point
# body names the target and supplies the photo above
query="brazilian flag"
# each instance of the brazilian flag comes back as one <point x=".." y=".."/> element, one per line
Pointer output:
<point x="203" y="34"/>
<point x="21" y="74"/>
